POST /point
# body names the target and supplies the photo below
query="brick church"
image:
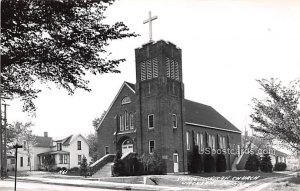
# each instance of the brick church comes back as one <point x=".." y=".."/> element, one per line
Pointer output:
<point x="153" y="115"/>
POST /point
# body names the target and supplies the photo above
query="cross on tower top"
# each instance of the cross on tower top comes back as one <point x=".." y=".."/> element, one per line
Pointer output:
<point x="149" y="20"/>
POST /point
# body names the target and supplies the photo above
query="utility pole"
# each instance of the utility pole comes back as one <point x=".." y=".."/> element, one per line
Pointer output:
<point x="1" y="142"/>
<point x="16" y="155"/>
<point x="5" y="142"/>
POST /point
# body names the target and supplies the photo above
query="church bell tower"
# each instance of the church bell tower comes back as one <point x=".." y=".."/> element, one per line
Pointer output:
<point x="160" y="99"/>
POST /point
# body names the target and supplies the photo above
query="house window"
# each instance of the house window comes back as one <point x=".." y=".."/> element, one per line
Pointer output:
<point x="78" y="145"/>
<point x="28" y="161"/>
<point x="59" y="146"/>
<point x="121" y="123"/>
<point x="188" y="146"/>
<point x="131" y="120"/>
<point x="151" y="146"/>
<point x="21" y="161"/>
<point x="12" y="161"/>
<point x="60" y="159"/>
<point x="65" y="158"/>
<point x="174" y="121"/>
<point x="106" y="150"/>
<point x="151" y="121"/>
<point x="79" y="159"/>
<point x="126" y="120"/>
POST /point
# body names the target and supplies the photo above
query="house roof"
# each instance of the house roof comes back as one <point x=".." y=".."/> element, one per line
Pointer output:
<point x="279" y="153"/>
<point x="54" y="152"/>
<point x="205" y="115"/>
<point x="43" y="141"/>
<point x="67" y="140"/>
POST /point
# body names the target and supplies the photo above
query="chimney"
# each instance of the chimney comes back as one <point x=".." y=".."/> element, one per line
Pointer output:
<point x="45" y="134"/>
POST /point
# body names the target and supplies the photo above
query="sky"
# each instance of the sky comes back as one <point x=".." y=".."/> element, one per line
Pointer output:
<point x="226" y="45"/>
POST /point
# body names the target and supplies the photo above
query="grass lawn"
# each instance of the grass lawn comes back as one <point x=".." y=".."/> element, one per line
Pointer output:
<point x="292" y="184"/>
<point x="216" y="180"/>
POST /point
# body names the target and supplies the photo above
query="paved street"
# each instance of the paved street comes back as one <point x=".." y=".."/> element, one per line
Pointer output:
<point x="30" y="186"/>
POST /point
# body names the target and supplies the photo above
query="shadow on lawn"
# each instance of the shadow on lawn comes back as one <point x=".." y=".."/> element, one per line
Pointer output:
<point x="295" y="180"/>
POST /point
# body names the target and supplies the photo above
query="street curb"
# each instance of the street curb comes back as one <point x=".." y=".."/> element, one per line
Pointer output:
<point x="112" y="187"/>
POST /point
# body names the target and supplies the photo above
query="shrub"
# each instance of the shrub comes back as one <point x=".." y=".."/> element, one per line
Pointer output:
<point x="209" y="162"/>
<point x="152" y="164"/>
<point x="83" y="167"/>
<point x="252" y="163"/>
<point x="74" y="169"/>
<point x="281" y="166"/>
<point x="196" y="163"/>
<point x="118" y="166"/>
<point x="64" y="168"/>
<point x="265" y="163"/>
<point x="221" y="163"/>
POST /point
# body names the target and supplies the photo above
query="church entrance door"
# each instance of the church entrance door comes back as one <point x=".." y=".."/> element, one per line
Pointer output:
<point x="127" y="146"/>
<point x="175" y="160"/>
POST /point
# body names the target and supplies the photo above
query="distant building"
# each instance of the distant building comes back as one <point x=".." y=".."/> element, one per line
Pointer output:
<point x="67" y="152"/>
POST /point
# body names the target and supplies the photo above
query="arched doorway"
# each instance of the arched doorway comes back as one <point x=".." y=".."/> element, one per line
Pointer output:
<point x="127" y="146"/>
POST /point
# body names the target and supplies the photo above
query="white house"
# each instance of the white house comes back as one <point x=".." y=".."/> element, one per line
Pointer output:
<point x="40" y="144"/>
<point x="67" y="152"/>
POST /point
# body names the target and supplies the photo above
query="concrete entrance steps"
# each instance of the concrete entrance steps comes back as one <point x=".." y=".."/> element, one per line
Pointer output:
<point x="105" y="171"/>
<point x="233" y="167"/>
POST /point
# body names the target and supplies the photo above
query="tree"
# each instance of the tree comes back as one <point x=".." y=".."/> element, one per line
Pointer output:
<point x="55" y="41"/>
<point x="92" y="141"/>
<point x="22" y="133"/>
<point x="252" y="163"/>
<point x="266" y="164"/>
<point x="96" y="122"/>
<point x="278" y="115"/>
<point x="196" y="163"/>
<point x="83" y="167"/>
<point x="221" y="163"/>
<point x="118" y="166"/>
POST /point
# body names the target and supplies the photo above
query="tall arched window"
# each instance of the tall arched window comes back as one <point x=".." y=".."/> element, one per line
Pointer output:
<point x="126" y="120"/>
<point x="121" y="123"/>
<point x="131" y="121"/>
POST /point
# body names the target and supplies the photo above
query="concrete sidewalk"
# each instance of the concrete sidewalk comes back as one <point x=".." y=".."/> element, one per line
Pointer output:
<point x="95" y="183"/>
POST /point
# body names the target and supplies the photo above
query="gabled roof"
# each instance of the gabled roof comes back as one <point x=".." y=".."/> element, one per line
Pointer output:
<point x="196" y="114"/>
<point x="67" y="140"/>
<point x="203" y="115"/>
<point x="41" y="141"/>
<point x="130" y="86"/>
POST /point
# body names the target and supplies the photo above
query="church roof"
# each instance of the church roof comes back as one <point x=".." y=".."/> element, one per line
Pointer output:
<point x="132" y="86"/>
<point x="43" y="141"/>
<point x="196" y="114"/>
<point x="204" y="115"/>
